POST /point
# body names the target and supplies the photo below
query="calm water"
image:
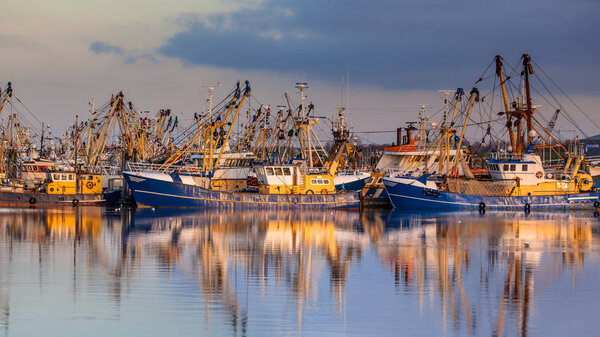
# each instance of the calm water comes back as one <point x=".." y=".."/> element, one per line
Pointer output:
<point x="90" y="272"/>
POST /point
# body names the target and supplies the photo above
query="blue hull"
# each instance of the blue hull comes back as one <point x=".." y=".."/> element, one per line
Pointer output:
<point x="355" y="185"/>
<point x="159" y="193"/>
<point x="405" y="196"/>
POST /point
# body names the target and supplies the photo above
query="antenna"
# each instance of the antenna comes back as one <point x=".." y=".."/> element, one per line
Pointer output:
<point x="211" y="90"/>
<point x="422" y="112"/>
<point x="347" y="87"/>
<point x="301" y="86"/>
<point x="446" y="93"/>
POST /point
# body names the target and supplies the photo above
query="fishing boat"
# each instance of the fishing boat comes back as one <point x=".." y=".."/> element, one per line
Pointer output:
<point x="297" y="184"/>
<point x="414" y="154"/>
<point x="518" y="177"/>
<point x="28" y="179"/>
<point x="60" y="188"/>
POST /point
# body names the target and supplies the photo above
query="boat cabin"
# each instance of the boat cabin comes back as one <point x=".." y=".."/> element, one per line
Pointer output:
<point x="66" y="183"/>
<point x="33" y="172"/>
<point x="528" y="169"/>
<point x="291" y="179"/>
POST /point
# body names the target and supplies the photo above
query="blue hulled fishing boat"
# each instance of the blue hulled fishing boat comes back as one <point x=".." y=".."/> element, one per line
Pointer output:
<point x="518" y="177"/>
<point x="187" y="190"/>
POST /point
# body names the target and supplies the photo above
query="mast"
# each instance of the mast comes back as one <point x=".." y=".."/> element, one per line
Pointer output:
<point x="76" y="150"/>
<point x="474" y="97"/>
<point x="41" y="142"/>
<point x="508" y="113"/>
<point x="304" y="135"/>
<point x="527" y="69"/>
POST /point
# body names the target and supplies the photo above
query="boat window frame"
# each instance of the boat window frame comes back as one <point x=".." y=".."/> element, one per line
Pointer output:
<point x="269" y="171"/>
<point x="287" y="171"/>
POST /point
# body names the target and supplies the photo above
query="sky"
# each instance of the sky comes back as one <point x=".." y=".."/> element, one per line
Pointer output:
<point x="398" y="54"/>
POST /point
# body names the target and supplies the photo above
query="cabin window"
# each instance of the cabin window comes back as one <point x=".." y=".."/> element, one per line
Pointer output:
<point x="505" y="167"/>
<point x="325" y="181"/>
<point x="513" y="167"/>
<point x="70" y="177"/>
<point x="524" y="167"/>
<point x="320" y="182"/>
<point x="278" y="171"/>
<point x="286" y="171"/>
<point x="63" y="177"/>
<point x="313" y="181"/>
<point x="269" y="171"/>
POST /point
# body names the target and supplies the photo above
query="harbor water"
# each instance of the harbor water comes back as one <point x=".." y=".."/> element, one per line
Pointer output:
<point x="85" y="271"/>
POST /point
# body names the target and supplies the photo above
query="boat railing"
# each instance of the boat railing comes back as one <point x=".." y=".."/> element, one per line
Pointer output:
<point x="109" y="170"/>
<point x="553" y="163"/>
<point x="503" y="156"/>
<point x="576" y="149"/>
<point x="149" y="167"/>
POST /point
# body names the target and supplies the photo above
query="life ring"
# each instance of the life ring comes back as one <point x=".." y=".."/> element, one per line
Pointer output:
<point x="32" y="200"/>
<point x="75" y="202"/>
<point x="310" y="192"/>
<point x="527" y="207"/>
<point x="324" y="191"/>
<point x="596" y="204"/>
<point x="539" y="174"/>
<point x="89" y="185"/>
<point x="482" y="205"/>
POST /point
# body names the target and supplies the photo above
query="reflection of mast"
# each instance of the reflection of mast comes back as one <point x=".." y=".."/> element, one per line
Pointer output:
<point x="431" y="256"/>
<point x="212" y="272"/>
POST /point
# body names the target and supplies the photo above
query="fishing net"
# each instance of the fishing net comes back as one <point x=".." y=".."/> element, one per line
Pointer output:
<point x="484" y="188"/>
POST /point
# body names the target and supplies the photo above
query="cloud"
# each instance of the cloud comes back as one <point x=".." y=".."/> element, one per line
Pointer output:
<point x="130" y="57"/>
<point x="144" y="56"/>
<point x="100" y="47"/>
<point x="395" y="44"/>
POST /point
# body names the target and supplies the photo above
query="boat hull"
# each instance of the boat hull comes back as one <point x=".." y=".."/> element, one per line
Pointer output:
<point x="350" y="183"/>
<point x="417" y="196"/>
<point x="153" y="192"/>
<point x="20" y="199"/>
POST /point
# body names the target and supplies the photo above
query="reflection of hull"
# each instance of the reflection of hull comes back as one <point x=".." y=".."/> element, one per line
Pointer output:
<point x="410" y="193"/>
<point x="8" y="198"/>
<point x="154" y="192"/>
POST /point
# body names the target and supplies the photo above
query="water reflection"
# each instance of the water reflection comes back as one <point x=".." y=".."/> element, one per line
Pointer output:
<point x="248" y="273"/>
